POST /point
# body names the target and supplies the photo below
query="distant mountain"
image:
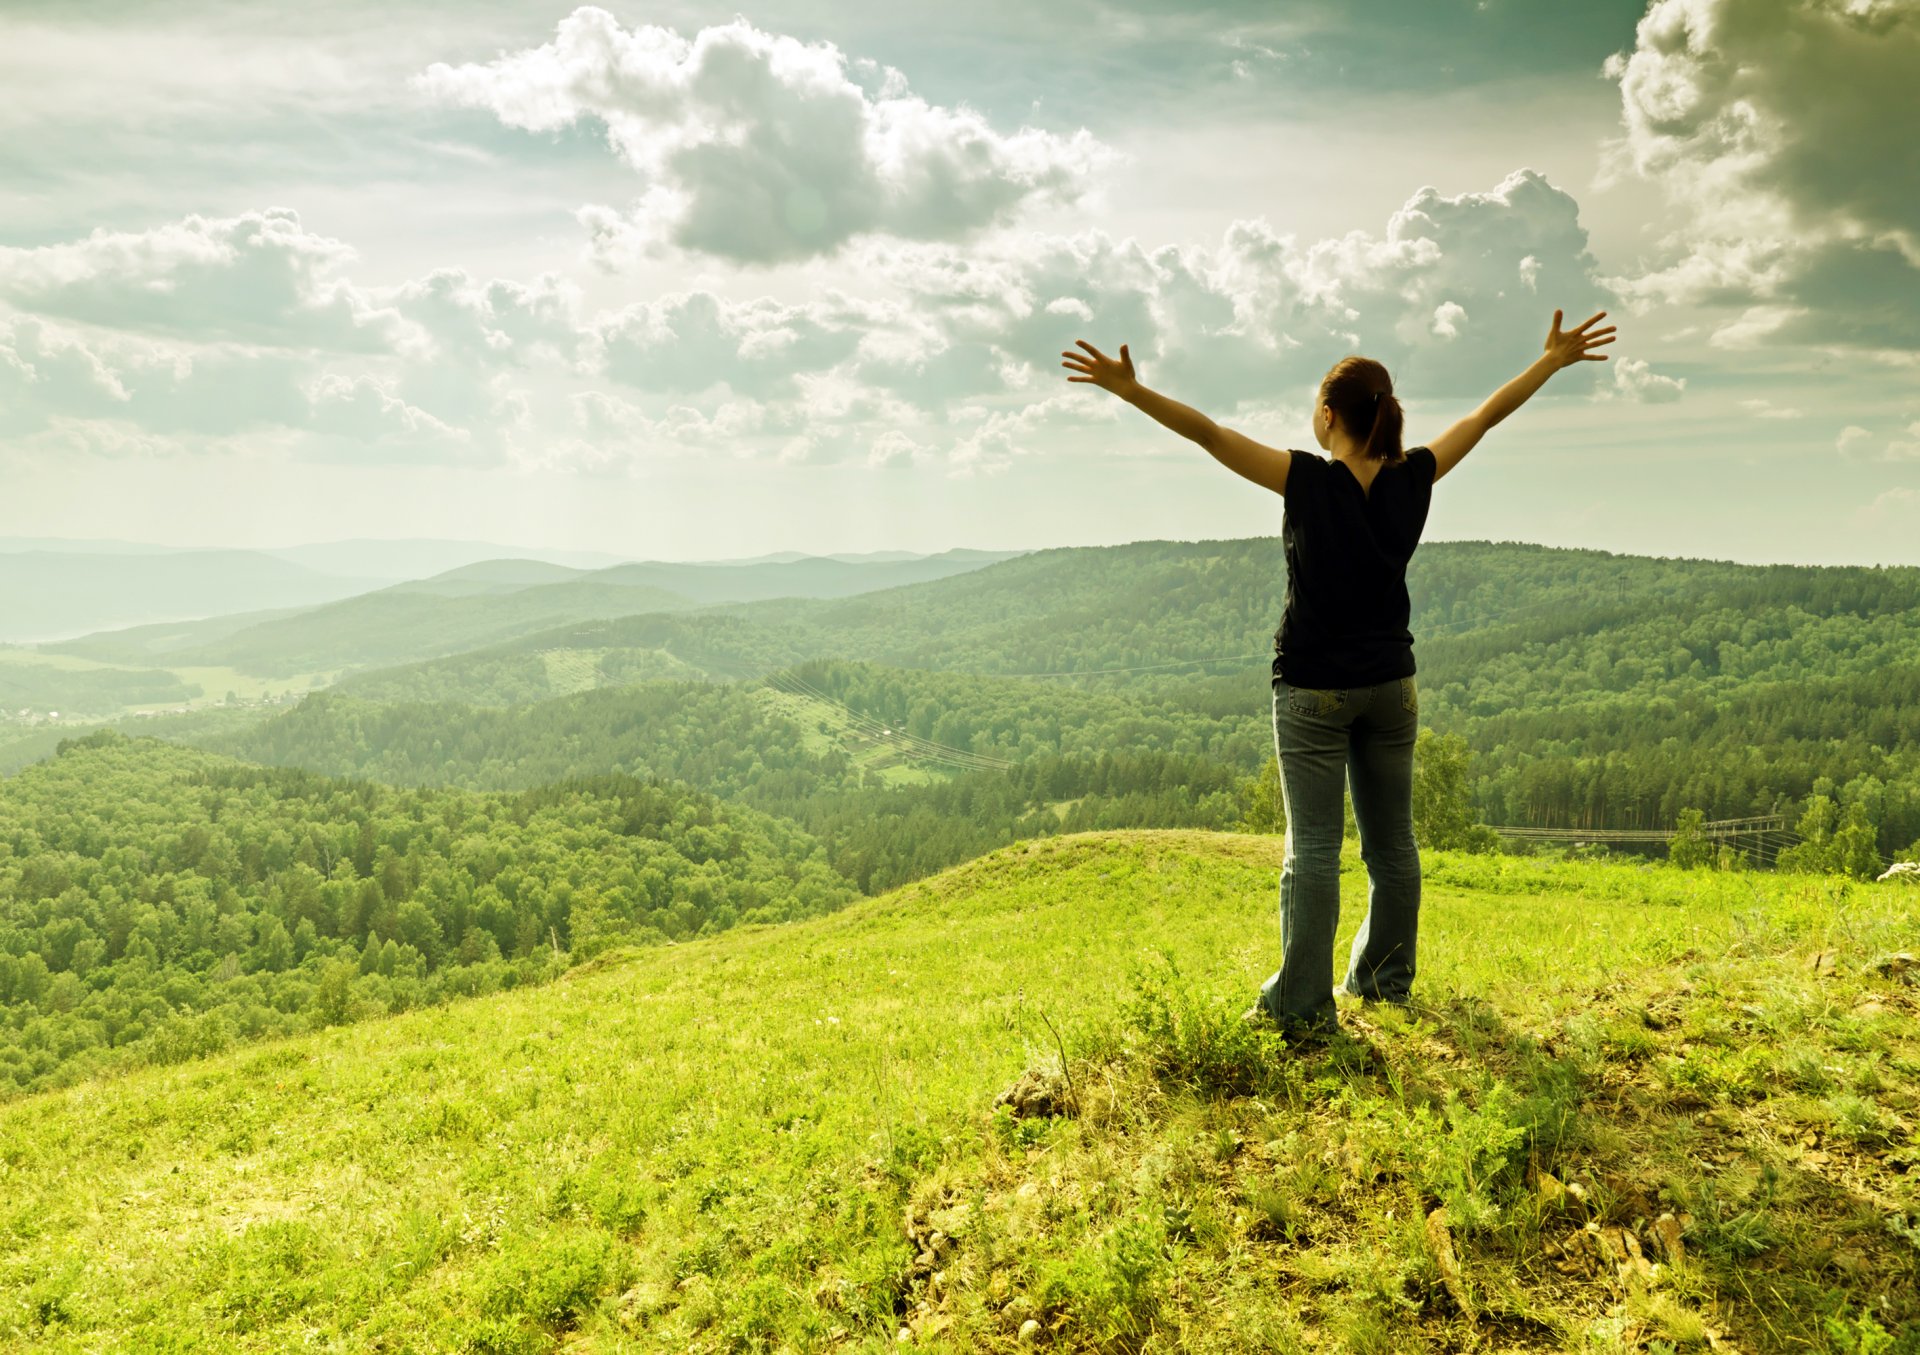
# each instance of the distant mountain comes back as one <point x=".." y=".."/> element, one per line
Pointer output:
<point x="787" y="557"/>
<point x="494" y="601"/>
<point x="492" y="576"/>
<point x="53" y="594"/>
<point x="417" y="559"/>
<point x="402" y="624"/>
<point x="813" y="576"/>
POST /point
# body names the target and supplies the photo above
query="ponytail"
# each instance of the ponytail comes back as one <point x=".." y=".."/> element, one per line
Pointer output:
<point x="1361" y="393"/>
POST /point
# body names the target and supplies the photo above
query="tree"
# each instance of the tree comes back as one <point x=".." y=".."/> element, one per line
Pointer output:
<point x="1853" y="849"/>
<point x="1442" y="817"/>
<point x="1266" y="807"/>
<point x="333" y="998"/>
<point x="1688" y="848"/>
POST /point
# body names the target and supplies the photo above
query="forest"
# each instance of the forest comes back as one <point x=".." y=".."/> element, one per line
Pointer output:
<point x="486" y="819"/>
<point x="159" y="903"/>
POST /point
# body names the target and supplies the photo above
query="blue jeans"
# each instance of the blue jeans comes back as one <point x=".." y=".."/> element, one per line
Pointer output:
<point x="1327" y="740"/>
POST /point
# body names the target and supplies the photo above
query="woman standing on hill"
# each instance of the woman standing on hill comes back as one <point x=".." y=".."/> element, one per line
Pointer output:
<point x="1345" y="708"/>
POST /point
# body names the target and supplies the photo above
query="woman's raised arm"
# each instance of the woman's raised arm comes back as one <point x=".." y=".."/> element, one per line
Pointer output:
<point x="1265" y="466"/>
<point x="1562" y="350"/>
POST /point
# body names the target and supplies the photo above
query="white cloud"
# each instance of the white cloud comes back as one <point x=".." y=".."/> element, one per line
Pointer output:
<point x="758" y="148"/>
<point x="1854" y="440"/>
<point x="362" y="408"/>
<point x="48" y="373"/>
<point x="1635" y="380"/>
<point x="493" y="323"/>
<point x="257" y="278"/>
<point x="1786" y="134"/>
<point x="689" y="342"/>
<point x="1766" y="409"/>
<point x="894" y="450"/>
<point x="1434" y="298"/>
<point x="1447" y="319"/>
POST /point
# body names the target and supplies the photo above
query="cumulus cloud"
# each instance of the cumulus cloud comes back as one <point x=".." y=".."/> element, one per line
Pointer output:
<point x="1906" y="448"/>
<point x="365" y="410"/>
<point x="48" y="373"/>
<point x="1438" y="297"/>
<point x="953" y="349"/>
<point x="689" y="342"/>
<point x="259" y="278"/>
<point x="1635" y="380"/>
<point x="758" y="148"/>
<point x="1858" y="444"/>
<point x="1786" y="135"/>
<point x="492" y="323"/>
<point x="1764" y="408"/>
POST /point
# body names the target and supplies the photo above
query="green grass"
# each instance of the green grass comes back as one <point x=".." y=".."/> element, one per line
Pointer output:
<point x="786" y="1138"/>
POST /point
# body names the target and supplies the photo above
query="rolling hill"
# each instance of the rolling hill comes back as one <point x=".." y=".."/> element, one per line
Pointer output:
<point x="489" y="603"/>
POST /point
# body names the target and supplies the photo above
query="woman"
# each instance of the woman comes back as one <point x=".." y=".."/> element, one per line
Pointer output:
<point x="1345" y="709"/>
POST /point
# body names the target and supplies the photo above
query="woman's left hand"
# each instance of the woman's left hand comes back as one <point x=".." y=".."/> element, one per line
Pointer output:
<point x="1103" y="371"/>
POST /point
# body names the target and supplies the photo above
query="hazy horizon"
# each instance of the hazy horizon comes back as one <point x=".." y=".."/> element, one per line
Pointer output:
<point x="678" y="285"/>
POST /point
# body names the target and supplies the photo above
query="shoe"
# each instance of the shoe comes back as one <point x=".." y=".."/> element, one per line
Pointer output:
<point x="1257" y="1015"/>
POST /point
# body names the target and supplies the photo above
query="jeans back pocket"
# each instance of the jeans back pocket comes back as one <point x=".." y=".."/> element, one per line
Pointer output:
<point x="1316" y="700"/>
<point x="1409" y="696"/>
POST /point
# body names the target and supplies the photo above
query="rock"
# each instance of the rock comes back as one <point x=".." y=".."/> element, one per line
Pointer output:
<point x="1666" y="1231"/>
<point x="904" y="1336"/>
<point x="1822" y="963"/>
<point x="1029" y="1330"/>
<point x="1440" y="1239"/>
<point x="1902" y="870"/>
<point x="1895" y="965"/>
<point x="1036" y="1093"/>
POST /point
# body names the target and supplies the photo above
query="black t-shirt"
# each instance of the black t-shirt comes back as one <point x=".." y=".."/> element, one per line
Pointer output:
<point x="1345" y="623"/>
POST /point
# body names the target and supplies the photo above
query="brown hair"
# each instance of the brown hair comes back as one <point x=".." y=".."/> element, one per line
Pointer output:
<point x="1361" y="393"/>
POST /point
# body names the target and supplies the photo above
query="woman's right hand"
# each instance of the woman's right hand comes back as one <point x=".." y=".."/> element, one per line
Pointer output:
<point x="1571" y="347"/>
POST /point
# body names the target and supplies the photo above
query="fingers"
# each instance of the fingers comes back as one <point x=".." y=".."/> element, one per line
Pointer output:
<point x="1091" y="349"/>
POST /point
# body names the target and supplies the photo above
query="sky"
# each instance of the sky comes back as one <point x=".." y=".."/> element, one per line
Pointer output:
<point x="682" y="281"/>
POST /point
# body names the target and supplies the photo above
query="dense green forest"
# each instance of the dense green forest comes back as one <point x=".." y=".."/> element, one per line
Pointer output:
<point x="159" y="902"/>
<point x="1595" y="690"/>
<point x="1078" y="760"/>
<point x="477" y="821"/>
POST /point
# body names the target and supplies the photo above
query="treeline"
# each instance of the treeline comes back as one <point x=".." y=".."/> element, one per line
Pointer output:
<point x="158" y="902"/>
<point x="41" y="686"/>
<point x="1125" y="764"/>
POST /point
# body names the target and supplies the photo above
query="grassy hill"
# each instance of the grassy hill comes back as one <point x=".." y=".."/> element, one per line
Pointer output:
<point x="1639" y="1109"/>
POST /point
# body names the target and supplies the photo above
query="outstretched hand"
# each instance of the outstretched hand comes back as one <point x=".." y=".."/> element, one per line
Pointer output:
<point x="1571" y="347"/>
<point x="1105" y="372"/>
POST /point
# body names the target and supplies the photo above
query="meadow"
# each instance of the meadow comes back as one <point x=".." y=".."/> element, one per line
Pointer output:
<point x="1636" y="1108"/>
